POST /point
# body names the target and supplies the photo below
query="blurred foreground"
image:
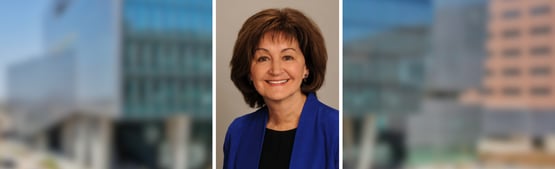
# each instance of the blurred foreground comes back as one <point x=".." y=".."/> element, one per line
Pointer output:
<point x="14" y="155"/>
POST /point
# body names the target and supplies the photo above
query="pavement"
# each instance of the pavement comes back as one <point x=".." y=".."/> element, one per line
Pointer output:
<point x="14" y="155"/>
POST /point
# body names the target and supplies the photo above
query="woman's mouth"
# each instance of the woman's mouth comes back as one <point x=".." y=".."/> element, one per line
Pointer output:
<point x="277" y="82"/>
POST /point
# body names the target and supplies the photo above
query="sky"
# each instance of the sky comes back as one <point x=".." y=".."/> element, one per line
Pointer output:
<point x="20" y="34"/>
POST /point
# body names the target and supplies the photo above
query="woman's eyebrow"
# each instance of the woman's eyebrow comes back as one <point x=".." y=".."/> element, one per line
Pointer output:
<point x="283" y="50"/>
<point x="264" y="49"/>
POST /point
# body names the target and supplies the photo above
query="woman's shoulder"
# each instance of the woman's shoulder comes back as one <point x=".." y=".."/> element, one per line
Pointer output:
<point x="330" y="114"/>
<point x="326" y="116"/>
<point x="322" y="107"/>
<point x="328" y="120"/>
<point x="248" y="119"/>
<point x="327" y="111"/>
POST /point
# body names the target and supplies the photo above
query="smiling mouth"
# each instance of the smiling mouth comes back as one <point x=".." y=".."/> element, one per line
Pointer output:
<point x="277" y="82"/>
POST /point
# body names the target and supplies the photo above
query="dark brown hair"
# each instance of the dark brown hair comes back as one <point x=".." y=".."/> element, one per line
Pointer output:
<point x="290" y="24"/>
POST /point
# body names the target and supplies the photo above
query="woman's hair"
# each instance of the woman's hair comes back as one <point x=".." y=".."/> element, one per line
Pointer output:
<point x="290" y="24"/>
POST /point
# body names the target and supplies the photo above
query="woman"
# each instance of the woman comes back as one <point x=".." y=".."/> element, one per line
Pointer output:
<point x="279" y="62"/>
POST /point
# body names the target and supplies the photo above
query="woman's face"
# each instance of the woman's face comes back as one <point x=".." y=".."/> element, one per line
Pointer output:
<point x="278" y="67"/>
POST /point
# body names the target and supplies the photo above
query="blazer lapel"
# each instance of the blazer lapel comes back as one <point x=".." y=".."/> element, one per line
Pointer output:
<point x="307" y="147"/>
<point x="252" y="147"/>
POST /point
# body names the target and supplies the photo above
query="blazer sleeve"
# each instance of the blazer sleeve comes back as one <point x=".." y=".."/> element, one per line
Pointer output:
<point x="227" y="149"/>
<point x="335" y="142"/>
<point x="336" y="147"/>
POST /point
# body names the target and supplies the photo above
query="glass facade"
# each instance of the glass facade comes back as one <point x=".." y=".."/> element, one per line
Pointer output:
<point x="133" y="65"/>
<point x="166" y="58"/>
<point x="166" y="69"/>
<point x="389" y="47"/>
<point x="42" y="95"/>
<point x="88" y="31"/>
<point x="406" y="65"/>
<point x="384" y="54"/>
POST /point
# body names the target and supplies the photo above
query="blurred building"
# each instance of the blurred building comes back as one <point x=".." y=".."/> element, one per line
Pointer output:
<point x="123" y="84"/>
<point x="384" y="53"/>
<point x="5" y="122"/>
<point x="446" y="128"/>
<point x="518" y="85"/>
<point x="392" y="62"/>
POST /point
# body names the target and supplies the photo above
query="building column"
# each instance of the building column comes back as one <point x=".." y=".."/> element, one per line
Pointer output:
<point x="367" y="143"/>
<point x="71" y="137"/>
<point x="178" y="132"/>
<point x="80" y="140"/>
<point x="68" y="137"/>
<point x="348" y="142"/>
<point x="87" y="140"/>
<point x="41" y="141"/>
<point x="100" y="137"/>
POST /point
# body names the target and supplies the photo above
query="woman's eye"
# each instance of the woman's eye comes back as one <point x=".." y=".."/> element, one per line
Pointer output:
<point x="287" y="57"/>
<point x="262" y="59"/>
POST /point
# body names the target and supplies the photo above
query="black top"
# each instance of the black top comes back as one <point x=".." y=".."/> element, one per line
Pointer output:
<point x="276" y="149"/>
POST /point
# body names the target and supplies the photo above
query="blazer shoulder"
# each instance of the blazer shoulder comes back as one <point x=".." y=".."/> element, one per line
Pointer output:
<point x="328" y="112"/>
<point x="240" y="122"/>
<point x="328" y="118"/>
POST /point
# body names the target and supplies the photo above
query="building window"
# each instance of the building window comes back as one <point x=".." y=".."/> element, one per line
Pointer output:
<point x="511" y="72"/>
<point x="144" y="60"/>
<point x="511" y="52"/>
<point x="540" y="10"/>
<point x="540" y="51"/>
<point x="540" y="30"/>
<point x="154" y="56"/>
<point x="540" y="91"/>
<point x="511" y="14"/>
<point x="132" y="56"/>
<point x="511" y="33"/>
<point x="141" y="91"/>
<point x="511" y="91"/>
<point x="540" y="71"/>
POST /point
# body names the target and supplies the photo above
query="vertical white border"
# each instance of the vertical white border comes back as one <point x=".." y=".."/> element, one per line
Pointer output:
<point x="340" y="83"/>
<point x="214" y="151"/>
<point x="213" y="84"/>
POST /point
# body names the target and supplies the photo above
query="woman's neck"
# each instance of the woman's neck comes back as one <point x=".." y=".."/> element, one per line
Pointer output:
<point x="285" y="114"/>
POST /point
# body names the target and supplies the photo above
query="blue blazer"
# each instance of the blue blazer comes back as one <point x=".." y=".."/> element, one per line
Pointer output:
<point x="316" y="142"/>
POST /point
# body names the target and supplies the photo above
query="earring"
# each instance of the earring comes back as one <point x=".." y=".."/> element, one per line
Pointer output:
<point x="305" y="77"/>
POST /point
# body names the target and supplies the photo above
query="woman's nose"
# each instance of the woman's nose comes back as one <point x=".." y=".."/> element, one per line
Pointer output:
<point x="276" y="68"/>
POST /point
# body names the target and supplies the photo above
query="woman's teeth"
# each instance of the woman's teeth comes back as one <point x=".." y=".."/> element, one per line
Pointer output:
<point x="276" y="81"/>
